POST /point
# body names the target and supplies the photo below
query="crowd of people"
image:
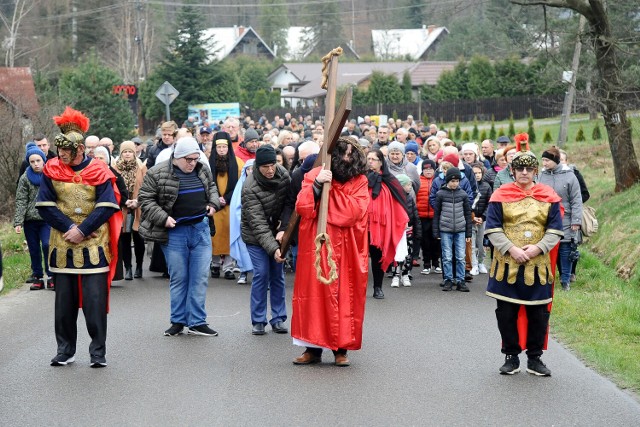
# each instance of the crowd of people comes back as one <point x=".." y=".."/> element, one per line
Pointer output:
<point x="215" y="199"/>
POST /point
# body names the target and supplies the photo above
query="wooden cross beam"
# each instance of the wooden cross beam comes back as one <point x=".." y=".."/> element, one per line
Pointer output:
<point x="336" y="122"/>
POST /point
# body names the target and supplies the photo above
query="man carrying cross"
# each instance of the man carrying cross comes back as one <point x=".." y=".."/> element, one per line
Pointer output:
<point x="331" y="315"/>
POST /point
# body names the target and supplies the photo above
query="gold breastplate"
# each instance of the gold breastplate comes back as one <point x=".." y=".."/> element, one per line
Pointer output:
<point x="77" y="201"/>
<point x="524" y="223"/>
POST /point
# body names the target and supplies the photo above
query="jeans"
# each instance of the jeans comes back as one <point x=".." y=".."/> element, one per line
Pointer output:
<point x="563" y="261"/>
<point x="477" y="239"/>
<point x="188" y="255"/>
<point x="37" y="235"/>
<point x="451" y="242"/>
<point x="268" y="275"/>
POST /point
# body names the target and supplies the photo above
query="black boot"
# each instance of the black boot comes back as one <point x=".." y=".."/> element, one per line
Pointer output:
<point x="128" y="275"/>
<point x="138" y="273"/>
<point x="377" y="293"/>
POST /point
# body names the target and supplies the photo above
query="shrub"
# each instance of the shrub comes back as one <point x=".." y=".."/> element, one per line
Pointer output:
<point x="465" y="136"/>
<point x="596" y="135"/>
<point x="457" y="133"/>
<point x="580" y="135"/>
<point x="492" y="131"/>
<point x="483" y="135"/>
<point x="547" y="137"/>
<point x="512" y="128"/>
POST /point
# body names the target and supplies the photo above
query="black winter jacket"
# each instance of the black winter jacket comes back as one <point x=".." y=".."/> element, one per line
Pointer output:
<point x="479" y="207"/>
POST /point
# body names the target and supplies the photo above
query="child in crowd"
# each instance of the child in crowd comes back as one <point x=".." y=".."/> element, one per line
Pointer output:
<point x="479" y="210"/>
<point x="452" y="226"/>
<point x="430" y="246"/>
<point x="27" y="218"/>
<point x="402" y="269"/>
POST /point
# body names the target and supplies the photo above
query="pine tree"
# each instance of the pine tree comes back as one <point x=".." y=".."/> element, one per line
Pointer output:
<point x="596" y="135"/>
<point x="89" y="88"/>
<point x="580" y="135"/>
<point x="512" y="129"/>
<point x="457" y="133"/>
<point x="394" y="115"/>
<point x="406" y="88"/>
<point x="531" y="131"/>
<point x="273" y="24"/>
<point x="425" y="119"/>
<point x="465" y="136"/>
<point x="475" y="133"/>
<point x="483" y="135"/>
<point x="501" y="132"/>
<point x="547" y="137"/>
<point x="492" y="131"/>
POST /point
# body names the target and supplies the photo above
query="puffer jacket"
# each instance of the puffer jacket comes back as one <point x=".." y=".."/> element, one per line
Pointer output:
<point x="422" y="198"/>
<point x="564" y="182"/>
<point x="158" y="194"/>
<point x="26" y="196"/>
<point x="412" y="210"/>
<point x="263" y="203"/>
<point x="452" y="212"/>
<point x="481" y="203"/>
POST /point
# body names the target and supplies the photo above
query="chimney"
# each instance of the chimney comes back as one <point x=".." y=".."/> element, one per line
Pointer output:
<point x="240" y="31"/>
<point x="431" y="28"/>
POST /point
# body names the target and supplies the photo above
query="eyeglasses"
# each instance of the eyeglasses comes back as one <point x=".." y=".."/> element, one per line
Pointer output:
<point x="191" y="159"/>
<point x="528" y="170"/>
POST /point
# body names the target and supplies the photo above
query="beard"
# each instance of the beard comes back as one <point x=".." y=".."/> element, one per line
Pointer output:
<point x="222" y="163"/>
<point x="343" y="171"/>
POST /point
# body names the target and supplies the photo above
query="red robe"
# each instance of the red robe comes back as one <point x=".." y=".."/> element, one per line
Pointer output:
<point x="331" y="316"/>
<point x="95" y="173"/>
<point x="511" y="192"/>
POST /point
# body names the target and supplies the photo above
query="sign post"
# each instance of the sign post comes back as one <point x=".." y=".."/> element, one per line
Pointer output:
<point x="167" y="94"/>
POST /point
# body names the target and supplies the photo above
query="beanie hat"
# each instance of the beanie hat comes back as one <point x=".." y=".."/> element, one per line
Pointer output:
<point x="185" y="146"/>
<point x="547" y="154"/>
<point x="453" y="173"/>
<point x="364" y="143"/>
<point x="265" y="155"/>
<point x="395" y="145"/>
<point x="30" y="144"/>
<point x="452" y="158"/>
<point x="127" y="145"/>
<point x="411" y="146"/>
<point x="404" y="179"/>
<point x="428" y="164"/>
<point x="439" y="156"/>
<point x="250" y="135"/>
<point x="35" y="150"/>
<point x="413" y="131"/>
<point x="470" y="146"/>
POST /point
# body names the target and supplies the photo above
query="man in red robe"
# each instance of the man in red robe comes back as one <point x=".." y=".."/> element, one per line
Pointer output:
<point x="331" y="315"/>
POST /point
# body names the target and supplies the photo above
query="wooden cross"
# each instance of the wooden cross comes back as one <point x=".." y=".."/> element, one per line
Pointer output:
<point x="335" y="122"/>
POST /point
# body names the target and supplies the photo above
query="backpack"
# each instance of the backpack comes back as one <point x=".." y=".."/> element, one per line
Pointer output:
<point x="589" y="221"/>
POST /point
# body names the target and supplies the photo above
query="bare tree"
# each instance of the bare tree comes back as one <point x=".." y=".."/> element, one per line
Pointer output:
<point x="12" y="25"/>
<point x="611" y="89"/>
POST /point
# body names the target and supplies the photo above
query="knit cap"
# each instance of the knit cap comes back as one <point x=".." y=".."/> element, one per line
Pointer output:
<point x="185" y="146"/>
<point x="35" y="150"/>
<point x="453" y="173"/>
<point x="127" y="145"/>
<point x="395" y="145"/>
<point x="404" y="179"/>
<point x="250" y="135"/>
<point x="470" y="146"/>
<point x="265" y="155"/>
<point x="452" y="158"/>
<point x="411" y="146"/>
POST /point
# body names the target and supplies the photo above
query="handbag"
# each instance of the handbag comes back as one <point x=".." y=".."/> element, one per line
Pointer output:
<point x="589" y="221"/>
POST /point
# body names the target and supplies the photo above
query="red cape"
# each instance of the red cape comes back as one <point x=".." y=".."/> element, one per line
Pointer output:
<point x="95" y="173"/>
<point x="511" y="192"/>
<point x="331" y="316"/>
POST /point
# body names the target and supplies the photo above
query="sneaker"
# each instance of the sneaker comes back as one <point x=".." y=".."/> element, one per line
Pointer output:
<point x="565" y="287"/>
<point x="573" y="278"/>
<point x="175" y="329"/>
<point x="406" y="282"/>
<point x="62" y="360"/>
<point x="426" y="271"/>
<point x="482" y="269"/>
<point x="33" y="279"/>
<point x="474" y="271"/>
<point x="462" y="287"/>
<point x="50" y="284"/>
<point x="203" y="330"/>
<point x="98" y="362"/>
<point x="37" y="285"/>
<point x="242" y="280"/>
<point x="536" y="367"/>
<point x="511" y="365"/>
<point x="467" y="276"/>
<point x="229" y="275"/>
<point x="236" y="270"/>
<point x="415" y="263"/>
<point x="215" y="272"/>
<point x="438" y="270"/>
<point x="395" y="282"/>
<point x="448" y="285"/>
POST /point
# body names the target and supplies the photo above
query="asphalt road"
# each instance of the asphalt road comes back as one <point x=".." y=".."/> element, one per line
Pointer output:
<point x="429" y="358"/>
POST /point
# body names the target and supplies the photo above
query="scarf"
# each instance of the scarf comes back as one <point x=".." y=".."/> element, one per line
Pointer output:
<point x="128" y="170"/>
<point x="375" y="184"/>
<point x="34" y="177"/>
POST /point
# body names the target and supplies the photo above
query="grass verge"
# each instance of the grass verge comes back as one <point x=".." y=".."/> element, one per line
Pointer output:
<point x="16" y="266"/>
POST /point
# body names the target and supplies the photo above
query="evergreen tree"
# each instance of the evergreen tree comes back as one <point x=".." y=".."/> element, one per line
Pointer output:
<point x="414" y="14"/>
<point x="453" y="84"/>
<point x="425" y="120"/>
<point x="531" y="130"/>
<point x="483" y="135"/>
<point x="512" y="129"/>
<point x="274" y="23"/>
<point x="475" y="133"/>
<point x="189" y="67"/>
<point x="501" y="132"/>
<point x="394" y="115"/>
<point x="406" y="88"/>
<point x="457" y="133"/>
<point x="546" y="139"/>
<point x="465" y="136"/>
<point x="596" y="135"/>
<point x="481" y="78"/>
<point x="384" y="89"/>
<point x="89" y="88"/>
<point x="324" y="28"/>
<point x="492" y="131"/>
<point x="580" y="135"/>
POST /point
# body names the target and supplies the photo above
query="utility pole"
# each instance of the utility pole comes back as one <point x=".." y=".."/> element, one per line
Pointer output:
<point x="74" y="29"/>
<point x="140" y="38"/>
<point x="570" y="93"/>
